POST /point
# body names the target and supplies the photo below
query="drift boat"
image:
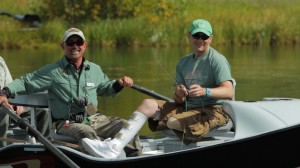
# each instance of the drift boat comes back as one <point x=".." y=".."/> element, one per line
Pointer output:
<point x="262" y="133"/>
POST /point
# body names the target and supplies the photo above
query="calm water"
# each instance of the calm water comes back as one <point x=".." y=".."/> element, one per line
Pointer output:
<point x="259" y="72"/>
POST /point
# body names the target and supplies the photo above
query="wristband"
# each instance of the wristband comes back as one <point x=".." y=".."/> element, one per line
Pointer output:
<point x="207" y="91"/>
<point x="5" y="92"/>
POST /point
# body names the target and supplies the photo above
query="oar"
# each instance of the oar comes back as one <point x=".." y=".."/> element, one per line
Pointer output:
<point x="151" y="93"/>
<point x="23" y="123"/>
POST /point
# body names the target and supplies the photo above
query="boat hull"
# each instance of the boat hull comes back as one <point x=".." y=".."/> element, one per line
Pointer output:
<point x="273" y="149"/>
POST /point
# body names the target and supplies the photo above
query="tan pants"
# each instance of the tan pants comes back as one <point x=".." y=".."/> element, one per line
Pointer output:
<point x="196" y="123"/>
<point x="100" y="126"/>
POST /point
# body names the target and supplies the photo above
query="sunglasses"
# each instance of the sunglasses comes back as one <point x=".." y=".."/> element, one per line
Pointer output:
<point x="200" y="36"/>
<point x="78" y="43"/>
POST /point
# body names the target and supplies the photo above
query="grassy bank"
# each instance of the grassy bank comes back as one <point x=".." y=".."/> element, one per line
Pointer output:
<point x="235" y="22"/>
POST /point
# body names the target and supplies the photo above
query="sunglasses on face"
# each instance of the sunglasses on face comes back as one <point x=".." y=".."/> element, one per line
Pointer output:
<point x="78" y="43"/>
<point x="200" y="36"/>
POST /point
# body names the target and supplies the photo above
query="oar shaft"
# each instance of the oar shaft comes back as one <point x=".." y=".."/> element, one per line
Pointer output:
<point x="151" y="93"/>
<point x="39" y="136"/>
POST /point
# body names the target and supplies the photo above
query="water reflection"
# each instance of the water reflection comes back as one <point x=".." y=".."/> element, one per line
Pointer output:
<point x="259" y="72"/>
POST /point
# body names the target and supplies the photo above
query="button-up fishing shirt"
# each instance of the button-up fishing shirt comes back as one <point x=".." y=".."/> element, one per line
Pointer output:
<point x="66" y="86"/>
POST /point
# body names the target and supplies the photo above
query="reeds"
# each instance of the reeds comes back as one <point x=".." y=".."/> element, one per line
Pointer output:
<point x="235" y="22"/>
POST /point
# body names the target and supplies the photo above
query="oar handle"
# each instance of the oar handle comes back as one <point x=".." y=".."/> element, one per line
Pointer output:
<point x="151" y="93"/>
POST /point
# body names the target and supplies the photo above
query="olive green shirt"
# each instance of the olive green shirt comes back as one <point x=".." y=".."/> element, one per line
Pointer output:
<point x="65" y="86"/>
<point x="208" y="70"/>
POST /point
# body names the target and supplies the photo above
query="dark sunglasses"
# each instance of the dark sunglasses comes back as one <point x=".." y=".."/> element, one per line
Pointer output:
<point x="78" y="43"/>
<point x="200" y="36"/>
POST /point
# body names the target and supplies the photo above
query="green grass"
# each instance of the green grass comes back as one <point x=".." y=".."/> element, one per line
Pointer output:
<point x="235" y="22"/>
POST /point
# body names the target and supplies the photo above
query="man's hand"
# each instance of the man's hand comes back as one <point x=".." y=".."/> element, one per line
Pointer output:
<point x="196" y="90"/>
<point x="125" y="81"/>
<point x="3" y="100"/>
<point x="19" y="109"/>
<point x="181" y="91"/>
<point x="180" y="94"/>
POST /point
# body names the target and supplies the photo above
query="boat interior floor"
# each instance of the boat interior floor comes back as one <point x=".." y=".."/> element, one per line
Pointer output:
<point x="150" y="146"/>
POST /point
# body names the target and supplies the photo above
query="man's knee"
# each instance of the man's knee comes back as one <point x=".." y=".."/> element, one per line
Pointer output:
<point x="148" y="107"/>
<point x="86" y="131"/>
<point x="173" y="123"/>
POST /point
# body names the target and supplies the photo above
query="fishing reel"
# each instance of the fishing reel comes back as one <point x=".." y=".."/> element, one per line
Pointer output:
<point x="80" y="102"/>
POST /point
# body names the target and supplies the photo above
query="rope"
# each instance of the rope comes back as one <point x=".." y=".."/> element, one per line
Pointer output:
<point x="186" y="108"/>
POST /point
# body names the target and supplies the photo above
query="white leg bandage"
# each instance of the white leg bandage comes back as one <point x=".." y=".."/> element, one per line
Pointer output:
<point x="126" y="134"/>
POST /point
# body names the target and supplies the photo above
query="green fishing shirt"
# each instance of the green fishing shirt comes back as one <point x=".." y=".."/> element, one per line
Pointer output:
<point x="208" y="70"/>
<point x="66" y="86"/>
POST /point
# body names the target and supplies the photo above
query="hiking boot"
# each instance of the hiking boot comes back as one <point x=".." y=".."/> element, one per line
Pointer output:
<point x="99" y="148"/>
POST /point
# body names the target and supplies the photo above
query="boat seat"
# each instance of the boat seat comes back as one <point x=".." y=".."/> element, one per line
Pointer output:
<point x="34" y="101"/>
<point x="39" y="100"/>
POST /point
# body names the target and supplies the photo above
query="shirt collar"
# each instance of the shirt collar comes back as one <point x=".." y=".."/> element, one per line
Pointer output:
<point x="203" y="56"/>
<point x="66" y="62"/>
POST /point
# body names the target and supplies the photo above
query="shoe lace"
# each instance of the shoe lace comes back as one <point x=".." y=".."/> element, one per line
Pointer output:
<point x="107" y="140"/>
<point x="112" y="146"/>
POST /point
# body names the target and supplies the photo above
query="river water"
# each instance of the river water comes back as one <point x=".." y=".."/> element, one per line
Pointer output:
<point x="259" y="71"/>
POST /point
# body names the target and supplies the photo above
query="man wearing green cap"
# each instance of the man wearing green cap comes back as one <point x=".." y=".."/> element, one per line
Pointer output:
<point x="203" y="78"/>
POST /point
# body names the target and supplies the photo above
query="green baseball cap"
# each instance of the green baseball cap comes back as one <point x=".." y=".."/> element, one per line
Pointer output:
<point x="201" y="25"/>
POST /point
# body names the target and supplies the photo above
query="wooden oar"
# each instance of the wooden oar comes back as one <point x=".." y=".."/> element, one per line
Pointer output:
<point x="151" y="93"/>
<point x="23" y="123"/>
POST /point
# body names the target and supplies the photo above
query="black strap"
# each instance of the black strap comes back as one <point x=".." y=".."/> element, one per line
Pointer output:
<point x="5" y="92"/>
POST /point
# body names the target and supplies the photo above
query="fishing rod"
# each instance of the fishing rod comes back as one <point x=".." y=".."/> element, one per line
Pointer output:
<point x="186" y="103"/>
<point x="151" y="92"/>
<point x="180" y="85"/>
<point x="166" y="71"/>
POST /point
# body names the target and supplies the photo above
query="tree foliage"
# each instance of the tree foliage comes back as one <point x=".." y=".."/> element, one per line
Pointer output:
<point x="93" y="10"/>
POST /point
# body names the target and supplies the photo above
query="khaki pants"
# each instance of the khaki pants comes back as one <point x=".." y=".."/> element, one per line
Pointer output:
<point x="100" y="126"/>
<point x="196" y="123"/>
